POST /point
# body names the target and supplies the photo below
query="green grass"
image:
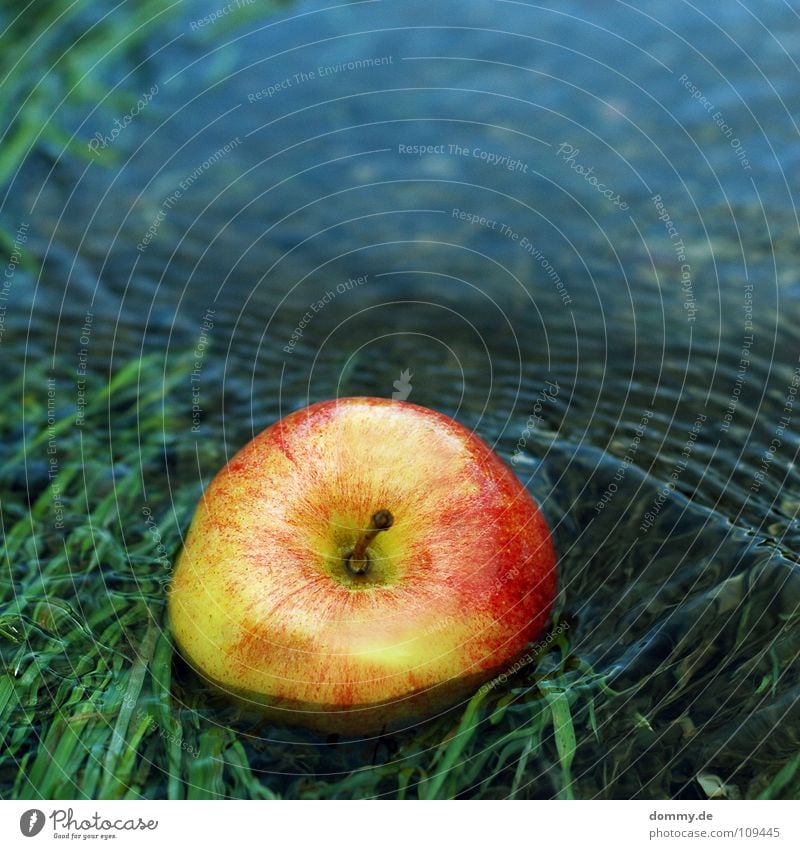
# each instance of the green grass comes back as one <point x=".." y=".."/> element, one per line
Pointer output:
<point x="90" y="705"/>
<point x="53" y="54"/>
<point x="95" y="704"/>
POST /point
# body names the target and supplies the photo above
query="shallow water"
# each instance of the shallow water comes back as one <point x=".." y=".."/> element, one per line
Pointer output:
<point x="665" y="311"/>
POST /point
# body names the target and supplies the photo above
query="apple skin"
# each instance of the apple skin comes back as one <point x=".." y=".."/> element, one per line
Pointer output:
<point x="263" y="605"/>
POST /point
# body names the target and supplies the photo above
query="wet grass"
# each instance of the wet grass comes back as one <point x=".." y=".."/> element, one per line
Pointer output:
<point x="52" y="54"/>
<point x="93" y="701"/>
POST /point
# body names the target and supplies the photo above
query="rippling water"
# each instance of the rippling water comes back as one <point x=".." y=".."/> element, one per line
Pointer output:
<point x="606" y="202"/>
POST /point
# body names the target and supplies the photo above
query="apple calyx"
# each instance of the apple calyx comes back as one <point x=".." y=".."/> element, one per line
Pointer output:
<point x="357" y="561"/>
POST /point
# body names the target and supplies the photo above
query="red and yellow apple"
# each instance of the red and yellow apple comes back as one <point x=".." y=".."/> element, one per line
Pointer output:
<point x="361" y="563"/>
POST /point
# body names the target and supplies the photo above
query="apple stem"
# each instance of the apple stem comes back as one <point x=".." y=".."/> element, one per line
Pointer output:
<point x="357" y="561"/>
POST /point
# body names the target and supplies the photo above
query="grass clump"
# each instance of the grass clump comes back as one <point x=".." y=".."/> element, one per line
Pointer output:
<point x="52" y="54"/>
<point x="93" y="701"/>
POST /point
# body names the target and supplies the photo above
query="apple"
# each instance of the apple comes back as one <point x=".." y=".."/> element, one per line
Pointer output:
<point x="362" y="563"/>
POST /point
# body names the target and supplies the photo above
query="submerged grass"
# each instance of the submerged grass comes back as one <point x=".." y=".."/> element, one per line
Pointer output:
<point x="93" y="701"/>
<point x="57" y="53"/>
<point x="51" y="53"/>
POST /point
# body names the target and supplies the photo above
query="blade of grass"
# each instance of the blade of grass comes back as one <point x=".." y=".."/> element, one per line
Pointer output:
<point x="564" y="733"/>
